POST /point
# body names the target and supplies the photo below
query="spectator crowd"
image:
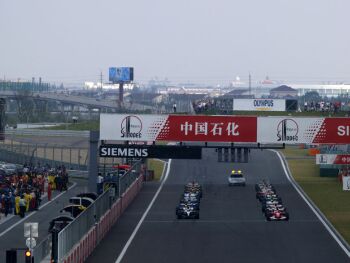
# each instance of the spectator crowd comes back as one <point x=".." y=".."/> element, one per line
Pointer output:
<point x="323" y="106"/>
<point x="22" y="191"/>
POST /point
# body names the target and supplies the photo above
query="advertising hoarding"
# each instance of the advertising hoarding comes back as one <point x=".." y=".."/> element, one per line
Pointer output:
<point x="341" y="159"/>
<point x="121" y="74"/>
<point x="151" y="151"/>
<point x="346" y="183"/>
<point x="178" y="128"/>
<point x="259" y="105"/>
<point x="303" y="130"/>
<point x="243" y="129"/>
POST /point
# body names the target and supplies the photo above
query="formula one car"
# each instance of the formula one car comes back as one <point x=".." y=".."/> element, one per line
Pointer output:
<point x="272" y="208"/>
<point x="194" y="204"/>
<point x="193" y="187"/>
<point x="191" y="196"/>
<point x="263" y="186"/>
<point x="264" y="198"/>
<point x="187" y="212"/>
<point x="236" y="178"/>
<point x="277" y="216"/>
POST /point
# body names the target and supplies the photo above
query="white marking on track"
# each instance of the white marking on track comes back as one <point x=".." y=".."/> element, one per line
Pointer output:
<point x="125" y="248"/>
<point x="291" y="180"/>
<point x="33" y="213"/>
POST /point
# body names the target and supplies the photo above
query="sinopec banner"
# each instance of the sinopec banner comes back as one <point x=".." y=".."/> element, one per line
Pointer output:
<point x="178" y="128"/>
<point x="259" y="105"/>
<point x="303" y="130"/>
<point x="242" y="129"/>
<point x="341" y="159"/>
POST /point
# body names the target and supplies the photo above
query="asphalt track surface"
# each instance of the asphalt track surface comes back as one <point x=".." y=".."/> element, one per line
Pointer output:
<point x="15" y="237"/>
<point x="231" y="227"/>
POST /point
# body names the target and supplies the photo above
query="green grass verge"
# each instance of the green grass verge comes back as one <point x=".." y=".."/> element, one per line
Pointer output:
<point x="80" y="126"/>
<point x="157" y="166"/>
<point x="325" y="192"/>
<point x="294" y="152"/>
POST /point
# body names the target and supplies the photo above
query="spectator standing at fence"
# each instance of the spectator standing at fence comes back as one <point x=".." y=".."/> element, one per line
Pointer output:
<point x="12" y="202"/>
<point x="99" y="183"/>
<point x="6" y="205"/>
<point x="37" y="199"/>
<point x="22" y="206"/>
<point x="28" y="198"/>
<point x="49" y="191"/>
<point x="17" y="198"/>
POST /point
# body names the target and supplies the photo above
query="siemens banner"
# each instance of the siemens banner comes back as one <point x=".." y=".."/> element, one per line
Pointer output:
<point x="151" y="151"/>
<point x="259" y="105"/>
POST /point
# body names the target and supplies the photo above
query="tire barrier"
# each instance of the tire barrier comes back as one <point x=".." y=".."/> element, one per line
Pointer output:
<point x="89" y="242"/>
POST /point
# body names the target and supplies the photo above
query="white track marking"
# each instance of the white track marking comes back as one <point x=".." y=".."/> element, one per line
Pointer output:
<point x="33" y="213"/>
<point x="291" y="180"/>
<point x="121" y="255"/>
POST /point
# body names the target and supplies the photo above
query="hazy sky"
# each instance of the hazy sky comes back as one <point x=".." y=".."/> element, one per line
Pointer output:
<point x="202" y="41"/>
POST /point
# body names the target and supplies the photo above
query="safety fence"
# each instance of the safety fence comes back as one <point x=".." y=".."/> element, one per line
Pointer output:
<point x="43" y="249"/>
<point x="96" y="213"/>
<point x="72" y="158"/>
<point x="46" y="133"/>
<point x="91" y="239"/>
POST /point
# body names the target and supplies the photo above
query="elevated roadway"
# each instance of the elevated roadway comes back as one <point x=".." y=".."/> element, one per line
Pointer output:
<point x="231" y="227"/>
<point x="76" y="100"/>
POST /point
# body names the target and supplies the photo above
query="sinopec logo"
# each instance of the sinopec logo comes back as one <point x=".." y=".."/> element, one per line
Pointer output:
<point x="131" y="127"/>
<point x="287" y="131"/>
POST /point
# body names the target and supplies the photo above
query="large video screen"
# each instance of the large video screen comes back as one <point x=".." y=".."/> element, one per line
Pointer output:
<point x="122" y="74"/>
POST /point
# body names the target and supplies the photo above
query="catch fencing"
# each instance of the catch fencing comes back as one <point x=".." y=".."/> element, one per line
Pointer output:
<point x="46" y="133"/>
<point x="42" y="250"/>
<point x="77" y="229"/>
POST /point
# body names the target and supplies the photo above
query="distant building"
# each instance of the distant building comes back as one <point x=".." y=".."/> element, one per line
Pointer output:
<point x="283" y="91"/>
<point x="106" y="86"/>
<point x="25" y="85"/>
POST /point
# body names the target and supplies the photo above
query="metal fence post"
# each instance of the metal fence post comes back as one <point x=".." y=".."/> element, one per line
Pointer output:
<point x="70" y="157"/>
<point x="61" y="155"/>
<point x="45" y="151"/>
<point x="93" y="165"/>
<point x="12" y="143"/>
<point x="54" y="249"/>
<point x="53" y="154"/>
<point x="79" y="157"/>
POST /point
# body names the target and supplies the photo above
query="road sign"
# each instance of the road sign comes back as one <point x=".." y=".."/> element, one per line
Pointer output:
<point x="31" y="229"/>
<point x="30" y="242"/>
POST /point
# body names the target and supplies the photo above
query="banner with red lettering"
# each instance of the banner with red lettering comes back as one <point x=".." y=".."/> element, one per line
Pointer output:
<point x="178" y="128"/>
<point x="291" y="130"/>
<point x="342" y="159"/>
<point x="240" y="129"/>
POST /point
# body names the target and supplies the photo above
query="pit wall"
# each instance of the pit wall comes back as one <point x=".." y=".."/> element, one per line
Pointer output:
<point x="89" y="242"/>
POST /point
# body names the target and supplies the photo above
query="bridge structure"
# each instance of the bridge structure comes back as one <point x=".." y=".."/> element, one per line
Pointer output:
<point x="106" y="106"/>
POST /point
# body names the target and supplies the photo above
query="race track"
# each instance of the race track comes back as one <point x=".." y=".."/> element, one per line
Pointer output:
<point x="231" y="227"/>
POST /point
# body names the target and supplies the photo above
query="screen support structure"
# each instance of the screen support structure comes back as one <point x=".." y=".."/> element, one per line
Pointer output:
<point x="121" y="94"/>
